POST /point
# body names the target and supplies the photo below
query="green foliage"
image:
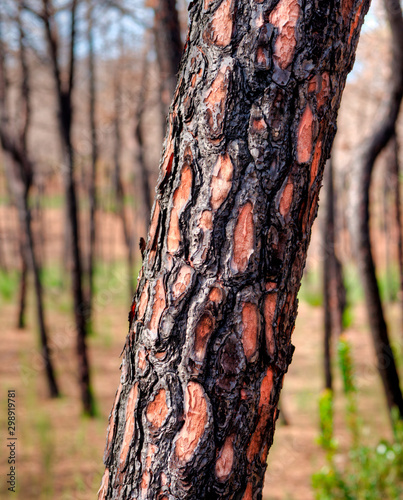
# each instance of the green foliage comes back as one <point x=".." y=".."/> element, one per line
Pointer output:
<point x="8" y="284"/>
<point x="369" y="473"/>
<point x="311" y="289"/>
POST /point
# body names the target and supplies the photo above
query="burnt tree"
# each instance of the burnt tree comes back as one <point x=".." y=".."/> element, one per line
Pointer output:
<point x="382" y="133"/>
<point x="64" y="90"/>
<point x="19" y="174"/>
<point x="249" y="131"/>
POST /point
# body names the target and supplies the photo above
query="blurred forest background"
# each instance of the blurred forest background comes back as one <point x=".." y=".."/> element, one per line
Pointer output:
<point x="85" y="88"/>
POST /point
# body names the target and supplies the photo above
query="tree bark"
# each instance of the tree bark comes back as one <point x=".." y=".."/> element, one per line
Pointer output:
<point x="65" y="116"/>
<point x="119" y="189"/>
<point x="169" y="48"/>
<point x="145" y="191"/>
<point x="94" y="158"/>
<point x="20" y="181"/>
<point x="360" y="189"/>
<point x="249" y="131"/>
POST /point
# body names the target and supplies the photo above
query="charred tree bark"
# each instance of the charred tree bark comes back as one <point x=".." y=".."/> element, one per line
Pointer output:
<point x="361" y="184"/>
<point x="21" y="321"/>
<point x="169" y="48"/>
<point x="64" y="91"/>
<point x="94" y="158"/>
<point x="249" y="131"/>
<point x="119" y="189"/>
<point x="334" y="293"/>
<point x="20" y="181"/>
<point x="138" y="133"/>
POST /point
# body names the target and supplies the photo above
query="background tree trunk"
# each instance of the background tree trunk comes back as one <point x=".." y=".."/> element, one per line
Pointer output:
<point x="169" y="47"/>
<point x="361" y="183"/>
<point x="250" y="129"/>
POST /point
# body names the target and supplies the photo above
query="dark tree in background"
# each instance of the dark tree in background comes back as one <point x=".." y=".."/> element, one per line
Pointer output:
<point x="249" y="131"/>
<point x="19" y="172"/>
<point x="382" y="133"/>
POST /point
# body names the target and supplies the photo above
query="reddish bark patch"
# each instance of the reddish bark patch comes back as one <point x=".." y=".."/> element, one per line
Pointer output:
<point x="142" y="359"/>
<point x="206" y="220"/>
<point x="248" y="492"/>
<point x="244" y="238"/>
<point x="220" y="29"/>
<point x="158" y="305"/>
<point x="143" y="301"/>
<point x="157" y="409"/>
<point x="316" y="161"/>
<point x="195" y="422"/>
<point x="221" y="180"/>
<point x="103" y="490"/>
<point x="207" y="4"/>
<point x="145" y="481"/>
<point x="225" y="460"/>
<point x="346" y="8"/>
<point x="286" y="198"/>
<point x="215" y="100"/>
<point x="215" y="294"/>
<point x="284" y="17"/>
<point x="270" y="285"/>
<point x="354" y="24"/>
<point x="250" y="325"/>
<point x="129" y="425"/>
<point x="203" y="332"/>
<point x="182" y="281"/>
<point x="180" y="199"/>
<point x="269" y="311"/>
<point x="259" y="436"/>
<point x="305" y="134"/>
<point x="258" y="124"/>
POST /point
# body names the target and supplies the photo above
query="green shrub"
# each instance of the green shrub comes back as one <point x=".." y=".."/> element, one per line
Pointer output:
<point x="370" y="473"/>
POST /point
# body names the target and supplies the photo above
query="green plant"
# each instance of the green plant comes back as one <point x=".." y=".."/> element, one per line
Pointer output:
<point x="370" y="472"/>
<point x="8" y="284"/>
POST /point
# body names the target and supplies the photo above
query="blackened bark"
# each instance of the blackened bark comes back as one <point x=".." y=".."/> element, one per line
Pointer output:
<point x="398" y="214"/>
<point x="119" y="189"/>
<point x="334" y="292"/>
<point x="169" y="48"/>
<point x="65" y="118"/>
<point x="250" y="129"/>
<point x="20" y="182"/>
<point x="94" y="157"/>
<point x="145" y="191"/>
<point x="21" y="322"/>
<point x="361" y="183"/>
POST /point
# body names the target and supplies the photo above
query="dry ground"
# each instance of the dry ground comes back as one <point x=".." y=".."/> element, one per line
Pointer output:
<point x="60" y="453"/>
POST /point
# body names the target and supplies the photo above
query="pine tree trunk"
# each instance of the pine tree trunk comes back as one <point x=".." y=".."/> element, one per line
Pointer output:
<point x="94" y="158"/>
<point x="361" y="183"/>
<point x="250" y="129"/>
<point x="169" y="48"/>
<point x="21" y="322"/>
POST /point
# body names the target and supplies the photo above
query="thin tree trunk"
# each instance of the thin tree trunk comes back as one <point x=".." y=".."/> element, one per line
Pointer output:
<point x="209" y="342"/>
<point x="21" y="322"/>
<point x="145" y="191"/>
<point x="119" y="190"/>
<point x="65" y="116"/>
<point x="361" y="183"/>
<point x="20" y="181"/>
<point x="94" y="158"/>
<point x="169" y="48"/>
<point x="398" y="214"/>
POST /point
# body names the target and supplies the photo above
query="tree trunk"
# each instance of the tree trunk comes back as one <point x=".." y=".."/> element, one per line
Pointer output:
<point x="250" y="129"/>
<point x="65" y="116"/>
<point x="360" y="188"/>
<point x="169" y="48"/>
<point x="20" y="182"/>
<point x="21" y="322"/>
<point x="144" y="191"/>
<point x="119" y="190"/>
<point x="94" y="158"/>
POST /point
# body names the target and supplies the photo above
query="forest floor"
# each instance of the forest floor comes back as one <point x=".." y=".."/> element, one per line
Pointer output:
<point x="59" y="453"/>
